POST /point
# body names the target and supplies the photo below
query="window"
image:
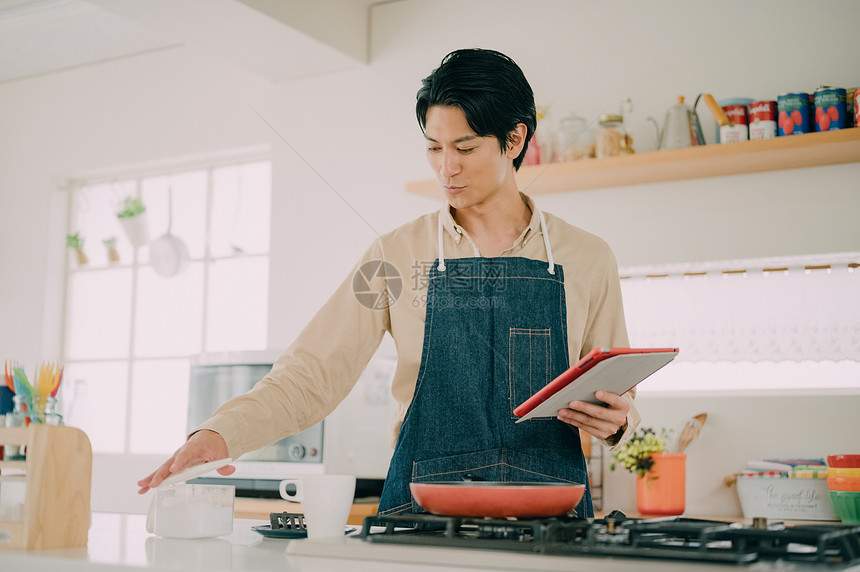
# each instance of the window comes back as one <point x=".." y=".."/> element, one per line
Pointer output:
<point x="780" y="324"/>
<point x="130" y="331"/>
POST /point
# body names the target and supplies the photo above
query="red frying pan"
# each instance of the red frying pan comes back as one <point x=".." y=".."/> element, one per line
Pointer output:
<point x="497" y="499"/>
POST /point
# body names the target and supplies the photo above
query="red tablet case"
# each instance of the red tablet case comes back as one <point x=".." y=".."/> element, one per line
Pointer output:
<point x="615" y="370"/>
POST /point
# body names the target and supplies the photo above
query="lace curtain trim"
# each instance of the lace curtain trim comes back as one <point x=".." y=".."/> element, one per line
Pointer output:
<point x="774" y="309"/>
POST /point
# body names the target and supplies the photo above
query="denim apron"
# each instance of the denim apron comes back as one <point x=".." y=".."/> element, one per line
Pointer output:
<point x="495" y="332"/>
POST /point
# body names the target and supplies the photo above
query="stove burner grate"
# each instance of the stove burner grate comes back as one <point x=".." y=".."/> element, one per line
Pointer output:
<point x="826" y="547"/>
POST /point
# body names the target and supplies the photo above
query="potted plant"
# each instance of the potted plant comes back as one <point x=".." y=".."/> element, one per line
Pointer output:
<point x="75" y="241"/>
<point x="132" y="218"/>
<point x="660" y="476"/>
<point x="110" y="244"/>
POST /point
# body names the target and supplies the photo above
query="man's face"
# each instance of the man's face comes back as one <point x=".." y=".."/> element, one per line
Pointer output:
<point x="470" y="169"/>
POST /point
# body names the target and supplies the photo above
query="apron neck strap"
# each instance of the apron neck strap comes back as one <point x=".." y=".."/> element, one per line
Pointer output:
<point x="441" y="266"/>
<point x="550" y="268"/>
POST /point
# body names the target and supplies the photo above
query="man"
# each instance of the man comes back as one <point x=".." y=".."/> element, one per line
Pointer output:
<point x="503" y="299"/>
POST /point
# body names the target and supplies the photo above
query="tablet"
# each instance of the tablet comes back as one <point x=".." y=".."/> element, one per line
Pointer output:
<point x="615" y="370"/>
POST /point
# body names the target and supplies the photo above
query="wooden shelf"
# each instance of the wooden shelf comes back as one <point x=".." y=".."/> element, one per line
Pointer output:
<point x="778" y="153"/>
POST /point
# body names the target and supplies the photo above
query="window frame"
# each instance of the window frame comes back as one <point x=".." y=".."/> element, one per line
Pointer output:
<point x="138" y="175"/>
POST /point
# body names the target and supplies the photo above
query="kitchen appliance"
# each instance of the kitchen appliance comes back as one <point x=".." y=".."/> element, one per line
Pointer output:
<point x="611" y="543"/>
<point x="218" y="377"/>
<point x="358" y="435"/>
<point x="355" y="439"/>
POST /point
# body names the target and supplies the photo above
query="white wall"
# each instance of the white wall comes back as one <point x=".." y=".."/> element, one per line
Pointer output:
<point x="346" y="143"/>
<point x="739" y="428"/>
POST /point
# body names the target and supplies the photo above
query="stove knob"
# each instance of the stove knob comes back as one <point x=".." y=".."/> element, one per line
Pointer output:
<point x="296" y="451"/>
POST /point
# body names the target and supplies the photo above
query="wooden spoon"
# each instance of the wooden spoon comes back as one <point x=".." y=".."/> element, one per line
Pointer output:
<point x="690" y="431"/>
<point x="717" y="111"/>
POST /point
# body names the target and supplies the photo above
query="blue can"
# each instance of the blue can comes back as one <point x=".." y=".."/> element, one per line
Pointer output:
<point x="830" y="109"/>
<point x="793" y="117"/>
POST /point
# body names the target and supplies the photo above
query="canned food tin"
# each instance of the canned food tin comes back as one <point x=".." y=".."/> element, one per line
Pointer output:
<point x="763" y="120"/>
<point x="739" y="131"/>
<point x="793" y="116"/>
<point x="830" y="109"/>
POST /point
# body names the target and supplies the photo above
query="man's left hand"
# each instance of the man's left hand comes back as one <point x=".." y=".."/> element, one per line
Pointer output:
<point x="600" y="421"/>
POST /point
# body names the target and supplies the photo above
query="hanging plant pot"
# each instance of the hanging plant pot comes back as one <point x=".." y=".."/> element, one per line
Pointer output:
<point x="113" y="255"/>
<point x="132" y="219"/>
<point x="662" y="491"/>
<point x="82" y="257"/>
<point x="75" y="241"/>
<point x="136" y="228"/>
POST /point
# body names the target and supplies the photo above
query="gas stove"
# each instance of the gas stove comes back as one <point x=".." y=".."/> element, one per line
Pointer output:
<point x="612" y="543"/>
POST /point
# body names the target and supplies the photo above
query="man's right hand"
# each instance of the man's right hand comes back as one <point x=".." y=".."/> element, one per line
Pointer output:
<point x="202" y="447"/>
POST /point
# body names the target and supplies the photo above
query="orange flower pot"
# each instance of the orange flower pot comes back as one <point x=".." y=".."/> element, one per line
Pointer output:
<point x="662" y="491"/>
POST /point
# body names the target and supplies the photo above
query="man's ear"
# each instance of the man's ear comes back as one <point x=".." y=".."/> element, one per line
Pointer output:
<point x="516" y="141"/>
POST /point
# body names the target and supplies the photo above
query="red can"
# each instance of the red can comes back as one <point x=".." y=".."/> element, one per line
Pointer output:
<point x="737" y="114"/>
<point x="763" y="120"/>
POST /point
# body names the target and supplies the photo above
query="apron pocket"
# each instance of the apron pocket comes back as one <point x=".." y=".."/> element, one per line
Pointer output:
<point x="529" y="364"/>
<point x="502" y="465"/>
<point x="529" y="468"/>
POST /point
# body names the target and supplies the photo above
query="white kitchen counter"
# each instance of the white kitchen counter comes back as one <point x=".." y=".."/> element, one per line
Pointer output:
<point x="119" y="542"/>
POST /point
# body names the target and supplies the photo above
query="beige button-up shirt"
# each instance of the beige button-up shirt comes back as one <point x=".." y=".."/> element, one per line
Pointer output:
<point x="387" y="292"/>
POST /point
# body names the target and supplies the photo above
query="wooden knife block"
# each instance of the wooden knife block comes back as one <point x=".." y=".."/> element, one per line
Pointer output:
<point x="57" y="475"/>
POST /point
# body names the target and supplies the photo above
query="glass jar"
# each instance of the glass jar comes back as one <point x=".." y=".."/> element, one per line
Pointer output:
<point x="50" y="415"/>
<point x="573" y="140"/>
<point x="17" y="418"/>
<point x="612" y="139"/>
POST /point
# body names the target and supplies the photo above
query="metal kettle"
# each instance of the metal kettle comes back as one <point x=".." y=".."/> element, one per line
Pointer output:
<point x="680" y="127"/>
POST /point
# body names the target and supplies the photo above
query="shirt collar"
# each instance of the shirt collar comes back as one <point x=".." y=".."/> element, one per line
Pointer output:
<point x="456" y="231"/>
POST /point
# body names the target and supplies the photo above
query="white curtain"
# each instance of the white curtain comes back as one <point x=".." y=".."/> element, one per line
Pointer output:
<point x="779" y="309"/>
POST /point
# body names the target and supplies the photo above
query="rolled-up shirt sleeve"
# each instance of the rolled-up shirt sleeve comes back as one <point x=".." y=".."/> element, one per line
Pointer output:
<point x="317" y="371"/>
<point x="607" y="328"/>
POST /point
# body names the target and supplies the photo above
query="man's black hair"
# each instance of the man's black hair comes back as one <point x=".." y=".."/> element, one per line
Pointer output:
<point x="489" y="87"/>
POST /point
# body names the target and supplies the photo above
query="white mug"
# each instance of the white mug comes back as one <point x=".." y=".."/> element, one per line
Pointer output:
<point x="326" y="501"/>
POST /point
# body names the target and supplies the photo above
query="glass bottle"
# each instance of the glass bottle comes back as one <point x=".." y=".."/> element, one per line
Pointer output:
<point x="52" y="412"/>
<point x="17" y="418"/>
